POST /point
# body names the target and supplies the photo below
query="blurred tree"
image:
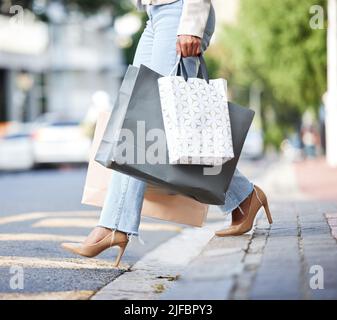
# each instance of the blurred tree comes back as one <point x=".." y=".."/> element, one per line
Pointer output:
<point x="273" y="44"/>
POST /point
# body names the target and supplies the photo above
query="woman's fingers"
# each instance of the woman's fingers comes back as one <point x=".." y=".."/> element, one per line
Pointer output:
<point x="188" y="45"/>
<point x="196" y="46"/>
<point x="197" y="49"/>
<point x="178" y="48"/>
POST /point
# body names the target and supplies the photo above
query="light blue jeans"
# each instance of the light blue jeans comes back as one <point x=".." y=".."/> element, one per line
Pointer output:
<point x="157" y="50"/>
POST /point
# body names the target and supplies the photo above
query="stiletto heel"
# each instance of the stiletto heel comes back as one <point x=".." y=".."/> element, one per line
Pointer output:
<point x="122" y="247"/>
<point x="267" y="211"/>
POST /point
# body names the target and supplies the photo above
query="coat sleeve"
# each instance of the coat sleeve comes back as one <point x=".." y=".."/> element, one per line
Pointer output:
<point x="194" y="17"/>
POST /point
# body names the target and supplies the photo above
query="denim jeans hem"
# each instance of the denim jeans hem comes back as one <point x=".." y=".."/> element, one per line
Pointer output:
<point x="232" y="202"/>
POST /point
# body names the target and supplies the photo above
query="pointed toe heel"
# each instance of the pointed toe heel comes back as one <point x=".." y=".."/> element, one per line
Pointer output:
<point x="115" y="239"/>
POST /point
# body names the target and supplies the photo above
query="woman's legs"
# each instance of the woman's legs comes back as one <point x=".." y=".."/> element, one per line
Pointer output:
<point x="123" y="203"/>
<point x="157" y="49"/>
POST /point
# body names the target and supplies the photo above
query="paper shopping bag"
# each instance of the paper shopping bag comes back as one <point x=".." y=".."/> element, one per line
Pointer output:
<point x="158" y="203"/>
<point x="196" y="119"/>
<point x="138" y="107"/>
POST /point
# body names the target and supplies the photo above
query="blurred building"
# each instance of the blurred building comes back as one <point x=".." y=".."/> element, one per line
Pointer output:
<point x="56" y="66"/>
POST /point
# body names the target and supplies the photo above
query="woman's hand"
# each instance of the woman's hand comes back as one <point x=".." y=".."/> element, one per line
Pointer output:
<point x="188" y="46"/>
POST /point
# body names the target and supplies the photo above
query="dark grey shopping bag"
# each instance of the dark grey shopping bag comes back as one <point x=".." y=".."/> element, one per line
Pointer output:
<point x="139" y="103"/>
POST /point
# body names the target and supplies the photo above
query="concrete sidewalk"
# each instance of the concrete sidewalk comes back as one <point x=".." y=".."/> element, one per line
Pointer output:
<point x="292" y="259"/>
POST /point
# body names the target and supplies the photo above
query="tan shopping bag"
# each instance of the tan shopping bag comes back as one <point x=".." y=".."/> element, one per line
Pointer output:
<point x="158" y="203"/>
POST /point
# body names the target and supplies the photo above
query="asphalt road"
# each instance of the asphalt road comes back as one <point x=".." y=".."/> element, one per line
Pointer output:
<point x="41" y="208"/>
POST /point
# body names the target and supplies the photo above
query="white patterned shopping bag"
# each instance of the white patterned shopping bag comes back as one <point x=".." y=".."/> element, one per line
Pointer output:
<point x="196" y="120"/>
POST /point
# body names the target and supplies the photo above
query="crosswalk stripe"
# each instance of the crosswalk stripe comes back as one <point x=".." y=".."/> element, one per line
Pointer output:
<point x="38" y="215"/>
<point x="64" y="263"/>
<point x="21" y="217"/>
<point x="65" y="223"/>
<point x="39" y="237"/>
<point x="59" y="295"/>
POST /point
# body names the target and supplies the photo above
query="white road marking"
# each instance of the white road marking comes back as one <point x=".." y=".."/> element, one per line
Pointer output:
<point x="65" y="223"/>
<point x="59" y="295"/>
<point x="62" y="263"/>
<point x="21" y="217"/>
<point x="38" y="215"/>
<point x="39" y="237"/>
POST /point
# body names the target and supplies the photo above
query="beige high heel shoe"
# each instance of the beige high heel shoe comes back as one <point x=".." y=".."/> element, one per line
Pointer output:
<point x="115" y="238"/>
<point x="256" y="200"/>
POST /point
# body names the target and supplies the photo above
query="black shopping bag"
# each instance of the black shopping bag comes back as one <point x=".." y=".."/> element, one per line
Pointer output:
<point x="138" y="102"/>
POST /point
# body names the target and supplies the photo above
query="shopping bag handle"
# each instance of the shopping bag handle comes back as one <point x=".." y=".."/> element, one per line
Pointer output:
<point x="202" y="71"/>
<point x="180" y="69"/>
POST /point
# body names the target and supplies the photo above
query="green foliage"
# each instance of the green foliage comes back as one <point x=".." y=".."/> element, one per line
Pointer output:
<point x="273" y="44"/>
<point x="273" y="136"/>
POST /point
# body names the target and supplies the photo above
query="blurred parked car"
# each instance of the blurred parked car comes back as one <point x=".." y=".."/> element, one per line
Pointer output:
<point x="253" y="146"/>
<point x="16" y="150"/>
<point x="59" y="140"/>
<point x="50" y="139"/>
